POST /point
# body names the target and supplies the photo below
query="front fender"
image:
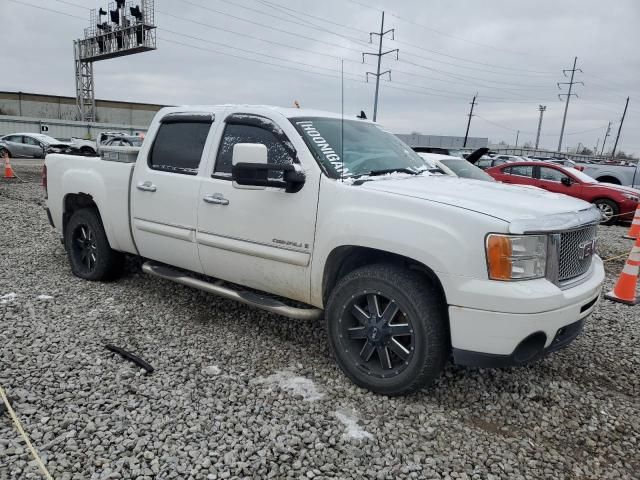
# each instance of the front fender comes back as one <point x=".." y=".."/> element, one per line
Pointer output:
<point x="447" y="239"/>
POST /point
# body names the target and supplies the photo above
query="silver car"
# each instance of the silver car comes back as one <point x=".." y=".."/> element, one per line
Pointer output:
<point x="31" y="145"/>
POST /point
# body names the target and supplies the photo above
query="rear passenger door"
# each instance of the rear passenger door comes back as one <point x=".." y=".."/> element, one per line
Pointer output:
<point x="164" y="190"/>
<point x="518" y="175"/>
<point x="33" y="148"/>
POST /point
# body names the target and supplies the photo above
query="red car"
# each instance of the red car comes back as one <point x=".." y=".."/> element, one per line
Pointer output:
<point x="614" y="201"/>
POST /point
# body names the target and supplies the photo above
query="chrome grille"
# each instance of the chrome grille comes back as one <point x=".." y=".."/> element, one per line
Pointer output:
<point x="570" y="263"/>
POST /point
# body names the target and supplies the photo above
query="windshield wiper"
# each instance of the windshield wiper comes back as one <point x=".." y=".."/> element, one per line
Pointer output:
<point x="374" y="173"/>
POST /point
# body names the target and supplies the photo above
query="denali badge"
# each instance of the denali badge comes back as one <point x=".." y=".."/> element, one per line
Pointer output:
<point x="586" y="249"/>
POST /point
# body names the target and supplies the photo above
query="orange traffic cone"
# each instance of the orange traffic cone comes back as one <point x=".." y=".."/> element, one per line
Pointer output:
<point x="625" y="288"/>
<point x="8" y="171"/>
<point x="634" y="231"/>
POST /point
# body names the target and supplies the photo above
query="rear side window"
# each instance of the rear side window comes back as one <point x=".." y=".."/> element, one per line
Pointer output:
<point x="178" y="147"/>
<point x="237" y="133"/>
<point x="520" y="170"/>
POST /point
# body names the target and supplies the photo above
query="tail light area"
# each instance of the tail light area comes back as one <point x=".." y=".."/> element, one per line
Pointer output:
<point x="44" y="181"/>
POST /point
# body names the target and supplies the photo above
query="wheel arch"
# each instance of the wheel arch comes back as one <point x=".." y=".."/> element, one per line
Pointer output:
<point x="609" y="179"/>
<point x="345" y="259"/>
<point x="73" y="202"/>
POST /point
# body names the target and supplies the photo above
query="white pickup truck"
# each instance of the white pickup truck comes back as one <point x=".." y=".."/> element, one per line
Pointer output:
<point x="264" y="205"/>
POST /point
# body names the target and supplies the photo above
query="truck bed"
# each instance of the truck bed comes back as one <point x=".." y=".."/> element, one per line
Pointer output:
<point x="109" y="184"/>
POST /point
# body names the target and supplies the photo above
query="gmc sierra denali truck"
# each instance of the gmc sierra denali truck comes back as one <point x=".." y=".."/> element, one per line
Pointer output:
<point x="304" y="213"/>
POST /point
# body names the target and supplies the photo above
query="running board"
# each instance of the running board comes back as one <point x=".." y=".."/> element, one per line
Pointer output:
<point x="248" y="298"/>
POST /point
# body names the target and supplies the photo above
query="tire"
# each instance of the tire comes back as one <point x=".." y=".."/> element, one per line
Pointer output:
<point x="365" y="351"/>
<point x="88" y="151"/>
<point x="88" y="250"/>
<point x="609" y="209"/>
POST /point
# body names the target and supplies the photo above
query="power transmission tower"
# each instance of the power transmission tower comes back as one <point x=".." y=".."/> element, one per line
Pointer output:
<point x="380" y="54"/>
<point x="605" y="138"/>
<point x="568" y="95"/>
<point x="473" y="104"/>
<point x="624" y="114"/>
<point x="542" y="108"/>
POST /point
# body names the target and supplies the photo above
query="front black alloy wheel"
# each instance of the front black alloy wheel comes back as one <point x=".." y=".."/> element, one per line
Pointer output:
<point x="377" y="334"/>
<point x="387" y="328"/>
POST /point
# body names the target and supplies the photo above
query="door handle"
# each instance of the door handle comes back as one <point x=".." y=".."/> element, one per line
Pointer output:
<point x="216" y="199"/>
<point x="146" y="186"/>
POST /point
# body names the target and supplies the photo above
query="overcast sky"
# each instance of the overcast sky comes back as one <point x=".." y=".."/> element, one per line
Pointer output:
<point x="510" y="52"/>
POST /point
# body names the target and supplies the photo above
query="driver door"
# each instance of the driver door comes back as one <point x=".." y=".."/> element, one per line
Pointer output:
<point x="255" y="236"/>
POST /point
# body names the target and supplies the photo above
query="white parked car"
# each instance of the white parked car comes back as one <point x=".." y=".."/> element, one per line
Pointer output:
<point x="457" y="167"/>
<point x="406" y="266"/>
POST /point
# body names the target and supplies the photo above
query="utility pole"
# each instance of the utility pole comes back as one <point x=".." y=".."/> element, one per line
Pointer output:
<point x="605" y="138"/>
<point x="624" y="114"/>
<point x="473" y="104"/>
<point x="380" y="54"/>
<point x="542" y="108"/>
<point x="517" y="137"/>
<point x="595" y="150"/>
<point x="568" y="95"/>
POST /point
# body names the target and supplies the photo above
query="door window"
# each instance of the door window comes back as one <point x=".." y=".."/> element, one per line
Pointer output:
<point x="31" y="141"/>
<point x="14" y="138"/>
<point x="551" y="174"/>
<point x="178" y="147"/>
<point x="277" y="153"/>
<point x="520" y="171"/>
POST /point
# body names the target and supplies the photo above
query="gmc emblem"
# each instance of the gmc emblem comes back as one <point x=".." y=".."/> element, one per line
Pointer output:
<point x="586" y="249"/>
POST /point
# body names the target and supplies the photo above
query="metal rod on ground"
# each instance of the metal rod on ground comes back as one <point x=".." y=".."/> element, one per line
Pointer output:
<point x="624" y="114"/>
<point x="473" y="104"/>
<point x="380" y="54"/>
<point x="542" y="108"/>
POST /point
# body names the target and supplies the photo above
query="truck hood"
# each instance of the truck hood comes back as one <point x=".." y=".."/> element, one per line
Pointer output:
<point x="521" y="206"/>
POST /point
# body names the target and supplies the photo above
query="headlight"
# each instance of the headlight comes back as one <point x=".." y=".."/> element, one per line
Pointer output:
<point x="511" y="257"/>
<point x="632" y="197"/>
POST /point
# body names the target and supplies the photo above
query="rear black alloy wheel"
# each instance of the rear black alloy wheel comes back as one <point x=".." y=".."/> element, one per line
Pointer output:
<point x="377" y="334"/>
<point x="387" y="328"/>
<point x="84" y="247"/>
<point x="90" y="255"/>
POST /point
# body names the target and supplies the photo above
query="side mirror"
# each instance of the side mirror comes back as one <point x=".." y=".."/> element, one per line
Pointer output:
<point x="566" y="181"/>
<point x="251" y="171"/>
<point x="251" y="154"/>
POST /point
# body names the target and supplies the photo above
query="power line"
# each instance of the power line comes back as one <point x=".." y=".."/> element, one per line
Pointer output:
<point x="525" y="72"/>
<point x="219" y="12"/>
<point x="304" y="24"/>
<point x="48" y="9"/>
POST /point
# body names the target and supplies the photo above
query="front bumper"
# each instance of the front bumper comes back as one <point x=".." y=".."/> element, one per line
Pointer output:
<point x="489" y="338"/>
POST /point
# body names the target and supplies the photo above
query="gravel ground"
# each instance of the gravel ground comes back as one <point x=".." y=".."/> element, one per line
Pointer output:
<point x="242" y="393"/>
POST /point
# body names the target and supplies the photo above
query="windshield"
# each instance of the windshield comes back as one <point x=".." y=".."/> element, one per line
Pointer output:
<point x="367" y="148"/>
<point x="583" y="177"/>
<point x="464" y="169"/>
